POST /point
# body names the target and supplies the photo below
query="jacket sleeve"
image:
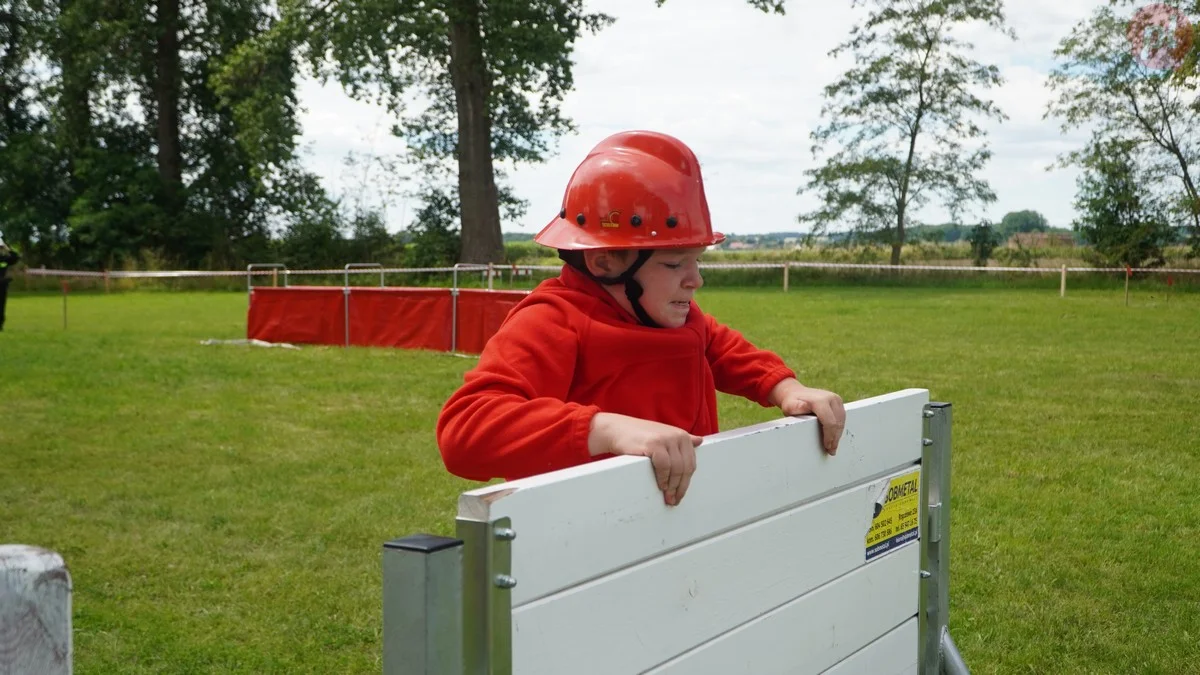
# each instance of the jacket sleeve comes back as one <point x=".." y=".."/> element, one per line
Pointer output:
<point x="739" y="367"/>
<point x="510" y="419"/>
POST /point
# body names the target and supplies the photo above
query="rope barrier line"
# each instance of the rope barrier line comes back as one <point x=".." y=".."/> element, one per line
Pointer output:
<point x="500" y="268"/>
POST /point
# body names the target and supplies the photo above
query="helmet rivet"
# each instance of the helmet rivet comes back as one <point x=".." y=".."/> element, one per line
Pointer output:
<point x="672" y="221"/>
<point x="580" y="219"/>
<point x="562" y="213"/>
<point x="635" y="221"/>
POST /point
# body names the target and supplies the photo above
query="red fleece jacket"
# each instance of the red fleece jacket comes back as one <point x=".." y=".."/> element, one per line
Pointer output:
<point x="568" y="351"/>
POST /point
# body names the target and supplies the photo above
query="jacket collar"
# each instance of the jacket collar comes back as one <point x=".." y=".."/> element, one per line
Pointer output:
<point x="578" y="281"/>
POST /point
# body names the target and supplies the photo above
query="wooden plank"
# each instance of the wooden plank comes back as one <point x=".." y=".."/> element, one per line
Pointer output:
<point x="584" y="522"/>
<point x="669" y="604"/>
<point x="893" y="654"/>
<point x="815" y="631"/>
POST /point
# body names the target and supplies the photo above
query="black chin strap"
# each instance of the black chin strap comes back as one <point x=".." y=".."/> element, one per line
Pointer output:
<point x="633" y="290"/>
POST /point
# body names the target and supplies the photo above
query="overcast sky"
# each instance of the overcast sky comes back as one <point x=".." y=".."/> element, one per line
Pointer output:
<point x="743" y="89"/>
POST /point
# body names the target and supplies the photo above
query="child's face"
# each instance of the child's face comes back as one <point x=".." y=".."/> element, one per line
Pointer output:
<point x="669" y="279"/>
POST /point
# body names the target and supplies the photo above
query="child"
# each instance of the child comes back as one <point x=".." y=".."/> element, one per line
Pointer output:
<point x="614" y="357"/>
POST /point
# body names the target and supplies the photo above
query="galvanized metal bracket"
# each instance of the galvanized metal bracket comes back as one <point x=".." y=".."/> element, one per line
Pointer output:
<point x="487" y="601"/>
<point x="937" y="653"/>
<point x="935" y="522"/>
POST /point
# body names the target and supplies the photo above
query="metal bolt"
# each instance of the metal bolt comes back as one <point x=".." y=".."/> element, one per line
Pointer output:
<point x="506" y="533"/>
<point x="927" y="414"/>
<point x="927" y="442"/>
<point x="505" y="581"/>
<point x="925" y="575"/>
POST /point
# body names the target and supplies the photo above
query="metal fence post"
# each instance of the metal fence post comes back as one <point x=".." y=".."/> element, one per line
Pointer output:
<point x="422" y="606"/>
<point x="453" y="320"/>
<point x="938" y="654"/>
<point x="346" y="289"/>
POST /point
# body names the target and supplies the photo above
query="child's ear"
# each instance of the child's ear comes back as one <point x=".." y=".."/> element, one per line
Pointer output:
<point x="597" y="262"/>
<point x="604" y="263"/>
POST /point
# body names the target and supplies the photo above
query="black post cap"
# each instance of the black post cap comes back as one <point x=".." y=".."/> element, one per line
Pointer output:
<point x="423" y="543"/>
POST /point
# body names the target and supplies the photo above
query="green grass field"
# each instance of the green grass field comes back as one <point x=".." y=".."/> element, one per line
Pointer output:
<point x="222" y="508"/>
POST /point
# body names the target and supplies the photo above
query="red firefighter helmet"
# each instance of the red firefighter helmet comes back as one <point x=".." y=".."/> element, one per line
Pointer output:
<point x="635" y="190"/>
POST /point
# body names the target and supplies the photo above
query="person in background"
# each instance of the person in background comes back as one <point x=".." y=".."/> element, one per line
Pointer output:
<point x="8" y="258"/>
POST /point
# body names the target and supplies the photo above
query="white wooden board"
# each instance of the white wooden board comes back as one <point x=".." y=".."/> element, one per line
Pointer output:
<point x="817" y="630"/>
<point x="581" y="523"/>
<point x="669" y="604"/>
<point x="893" y="654"/>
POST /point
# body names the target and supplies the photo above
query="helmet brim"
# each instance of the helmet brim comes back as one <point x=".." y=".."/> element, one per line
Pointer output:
<point x="555" y="236"/>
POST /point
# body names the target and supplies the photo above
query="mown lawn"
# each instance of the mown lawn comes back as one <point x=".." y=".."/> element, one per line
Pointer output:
<point x="222" y="507"/>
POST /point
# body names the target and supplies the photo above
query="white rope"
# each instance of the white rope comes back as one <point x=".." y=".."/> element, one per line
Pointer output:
<point x="500" y="268"/>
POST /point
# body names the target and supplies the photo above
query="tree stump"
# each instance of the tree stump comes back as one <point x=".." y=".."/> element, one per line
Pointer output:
<point x="35" y="612"/>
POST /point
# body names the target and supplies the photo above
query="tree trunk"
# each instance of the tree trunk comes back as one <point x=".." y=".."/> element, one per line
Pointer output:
<point x="905" y="182"/>
<point x="1193" y="200"/>
<point x="898" y="239"/>
<point x="10" y="91"/>
<point x="166" y="96"/>
<point x="479" y="204"/>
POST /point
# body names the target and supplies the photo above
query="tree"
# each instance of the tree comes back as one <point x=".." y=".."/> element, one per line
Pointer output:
<point x="472" y="83"/>
<point x="983" y="239"/>
<point x="33" y="193"/>
<point x="435" y="239"/>
<point x="1151" y="112"/>
<point x="1014" y="222"/>
<point x="1117" y="216"/>
<point x="118" y="139"/>
<point x="1189" y="66"/>
<point x="475" y="85"/>
<point x="904" y="118"/>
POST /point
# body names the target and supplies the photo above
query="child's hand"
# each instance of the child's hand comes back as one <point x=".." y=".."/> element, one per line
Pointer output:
<point x="672" y="451"/>
<point x="794" y="398"/>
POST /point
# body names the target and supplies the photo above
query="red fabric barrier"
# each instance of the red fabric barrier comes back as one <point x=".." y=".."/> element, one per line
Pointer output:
<point x="480" y="314"/>
<point x="298" y="314"/>
<point x="417" y="318"/>
<point x="410" y="318"/>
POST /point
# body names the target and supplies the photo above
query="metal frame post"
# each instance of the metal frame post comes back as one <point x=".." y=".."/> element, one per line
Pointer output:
<point x="249" y="273"/>
<point x="454" y="311"/>
<point x="453" y="320"/>
<point x="422" y="606"/>
<point x="487" y="603"/>
<point x="249" y="279"/>
<point x="346" y="290"/>
<point x="938" y="654"/>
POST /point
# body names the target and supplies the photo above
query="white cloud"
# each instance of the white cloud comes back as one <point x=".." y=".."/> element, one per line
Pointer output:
<point x="743" y="89"/>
